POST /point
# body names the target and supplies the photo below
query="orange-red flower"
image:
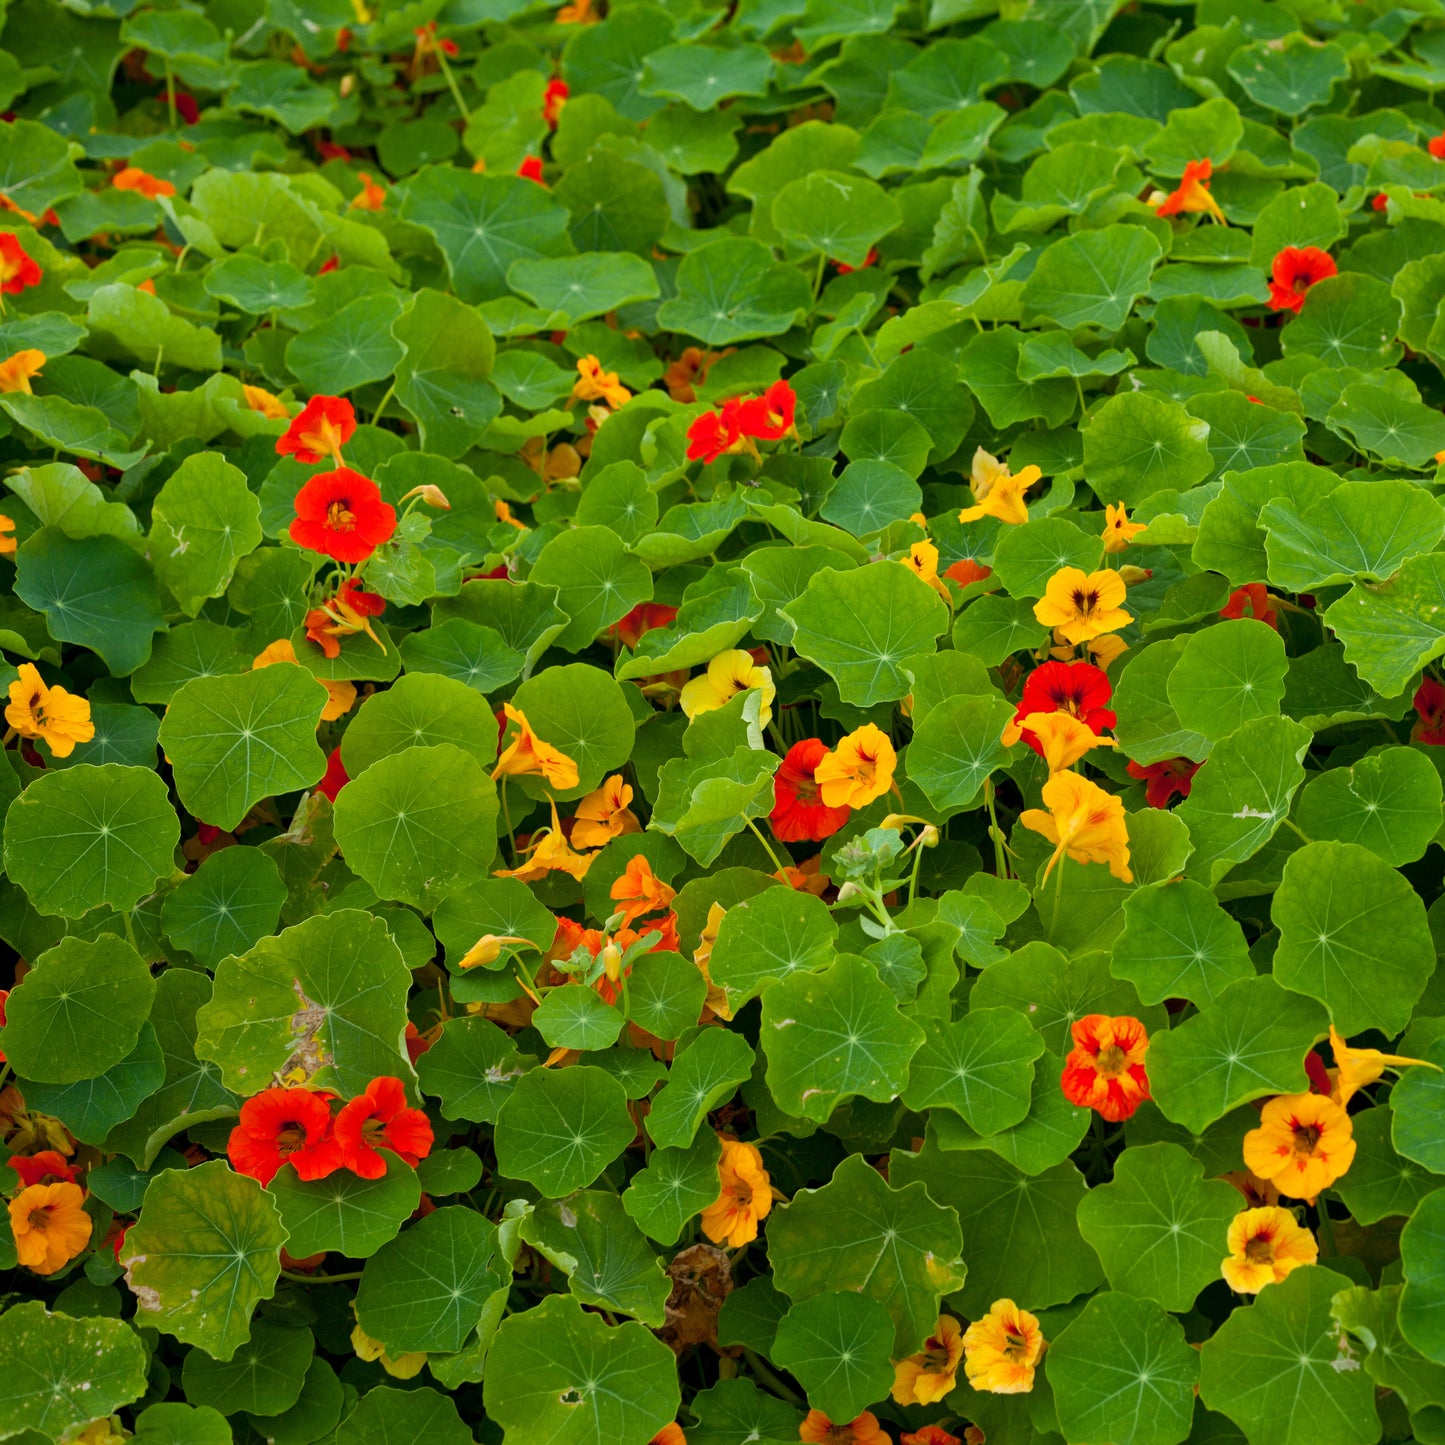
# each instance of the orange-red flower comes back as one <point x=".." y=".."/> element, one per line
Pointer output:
<point x="1295" y="270"/>
<point x="7" y="536"/>
<point x="639" y="890"/>
<point x="1171" y="778"/>
<point x="818" y="1429"/>
<point x="132" y="178"/>
<point x="350" y="611"/>
<point x="371" y="196"/>
<point x="42" y="1168"/>
<point x="381" y="1119"/>
<point x="553" y="99"/>
<point x="50" y="1225"/>
<point x="689" y="371"/>
<point x="604" y="815"/>
<point x="967" y="571"/>
<point x="284" y="1126"/>
<point x="929" y="1435"/>
<point x="17" y="370"/>
<point x="769" y="417"/>
<point x="669" y="1435"/>
<point x="1105" y="1068"/>
<point x="341" y="514"/>
<point x="18" y="269"/>
<point x="1077" y="688"/>
<point x="716" y="433"/>
<point x="1251" y="600"/>
<point x="858" y="770"/>
<point x="531" y="170"/>
<point x="319" y="430"/>
<point x="799" y="813"/>
<point x="1192" y="192"/>
<point x="334" y="779"/>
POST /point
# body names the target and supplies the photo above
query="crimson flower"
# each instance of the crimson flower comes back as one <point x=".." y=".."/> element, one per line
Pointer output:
<point x="18" y="269"/>
<point x="42" y="1168"/>
<point x="1295" y="270"/>
<point x="319" y="430"/>
<point x="381" y="1119"/>
<point x="715" y="432"/>
<point x="1251" y="600"/>
<point x="341" y="514"/>
<point x="1167" y="780"/>
<point x="1430" y="705"/>
<point x="643" y="618"/>
<point x="334" y="779"/>
<point x="799" y="812"/>
<point x="531" y="170"/>
<point x="284" y="1126"/>
<point x="1077" y="688"/>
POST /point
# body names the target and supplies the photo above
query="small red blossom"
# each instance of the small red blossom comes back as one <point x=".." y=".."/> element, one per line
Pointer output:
<point x="319" y="430"/>
<point x="330" y="266"/>
<point x="329" y="151"/>
<point x="116" y="1237"/>
<point x="871" y="259"/>
<point x="381" y="1119"/>
<point x="1319" y="1076"/>
<point x="18" y="269"/>
<point x="553" y="99"/>
<point x="1077" y="688"/>
<point x="43" y="1168"/>
<point x="341" y="514"/>
<point x="1251" y="600"/>
<point x="966" y="571"/>
<point x="1167" y="780"/>
<point x="1295" y="270"/>
<point x="531" y="170"/>
<point x="1436" y="146"/>
<point x="185" y="105"/>
<point x="1379" y="202"/>
<point x="1105" y="1069"/>
<point x="284" y="1126"/>
<point x="416" y="1042"/>
<point x="1430" y="707"/>
<point x="715" y="433"/>
<point x="770" y="416"/>
<point x="644" y="618"/>
<point x="334" y="779"/>
<point x="799" y="812"/>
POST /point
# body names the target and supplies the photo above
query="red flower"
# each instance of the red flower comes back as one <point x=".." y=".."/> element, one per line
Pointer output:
<point x="1173" y="776"/>
<point x="185" y="105"/>
<point x="117" y="1235"/>
<point x="284" y="1126"/>
<point x="1105" y="1068"/>
<point x="330" y="151"/>
<point x="531" y="170"/>
<point x="1379" y="202"/>
<point x="1436" y="147"/>
<point x="871" y="259"/>
<point x="799" y="812"/>
<point x="416" y="1042"/>
<point x="334" y="779"/>
<point x="42" y="1168"/>
<point x="1253" y="598"/>
<point x="553" y="99"/>
<point x="1430" y="705"/>
<point x="714" y="433"/>
<point x="381" y="1119"/>
<point x="1192" y="192"/>
<point x="321" y="428"/>
<point x="341" y="515"/>
<point x="18" y="269"/>
<point x="1319" y="1076"/>
<point x="643" y="618"/>
<point x="1077" y="688"/>
<point x="330" y="266"/>
<point x="769" y="416"/>
<point x="1295" y="270"/>
<point x="966" y="571"/>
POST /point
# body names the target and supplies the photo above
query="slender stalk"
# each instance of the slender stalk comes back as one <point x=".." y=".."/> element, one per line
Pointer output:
<point x="320" y="1278"/>
<point x="767" y="847"/>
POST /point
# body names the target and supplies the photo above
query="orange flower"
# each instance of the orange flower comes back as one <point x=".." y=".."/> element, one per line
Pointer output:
<point x="1001" y="1350"/>
<point x="1083" y="821"/>
<point x="132" y="178"/>
<point x="1192" y="193"/>
<point x="1105" y="1068"/>
<point x="858" y="770"/>
<point x="371" y="196"/>
<point x="1119" y="531"/>
<point x="50" y="1225"/>
<point x="527" y="754"/>
<point x="1357" y="1069"/>
<point x="259" y="399"/>
<point x="639" y="890"/>
<point x="931" y="1435"/>
<point x="926" y="1377"/>
<point x="1059" y="738"/>
<point x="689" y="371"/>
<point x="7" y="543"/>
<point x="577" y="13"/>
<point x="745" y="1195"/>
<point x="18" y="269"/>
<point x="380" y="1118"/>
<point x="37" y="711"/>
<point x="549" y="853"/>
<point x="281" y="1126"/>
<point x="1082" y="605"/>
<point x="669" y="1435"/>
<point x="553" y="99"/>
<point x="342" y="515"/>
<point x="16" y="370"/>
<point x="346" y="614"/>
<point x="1265" y="1245"/>
<point x="1303" y="1144"/>
<point x="818" y="1429"/>
<point x="321" y="428"/>
<point x="340" y="694"/>
<point x="594" y="384"/>
<point x="604" y="815"/>
<point x="488" y="949"/>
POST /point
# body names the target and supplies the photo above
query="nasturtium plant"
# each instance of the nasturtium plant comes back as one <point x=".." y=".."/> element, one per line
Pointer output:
<point x="722" y="724"/>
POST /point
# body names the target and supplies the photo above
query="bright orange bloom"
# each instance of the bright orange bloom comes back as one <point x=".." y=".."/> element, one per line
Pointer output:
<point x="16" y="370"/>
<point x="341" y="514"/>
<point x="321" y="428"/>
<point x="639" y="890"/>
<point x="259" y="399"/>
<point x="381" y="1119"/>
<point x="604" y="815"/>
<point x="132" y="178"/>
<point x="1002" y="1349"/>
<point x="1192" y="193"/>
<point x="7" y="542"/>
<point x="858" y="770"/>
<point x="350" y="611"/>
<point x="50" y="1225"/>
<point x="18" y="269"/>
<point x="926" y="1377"/>
<point x="929" y="1435"/>
<point x="1266" y="1245"/>
<point x="37" y="711"/>
<point x="728" y="674"/>
<point x="529" y="170"/>
<point x="371" y="196"/>
<point x="1083" y="821"/>
<point x="340" y="694"/>
<point x="284" y="1126"/>
<point x="1303" y="1144"/>
<point x="577" y="13"/>
<point x="1105" y="1068"/>
<point x="966" y="572"/>
<point x="1119" y="531"/>
<point x="488" y="949"/>
<point x="594" y="384"/>
<point x="745" y="1195"/>
<point x="1082" y="605"/>
<point x="549" y="852"/>
<point x="1357" y="1069"/>
<point x="1251" y="600"/>
<point x="1059" y="738"/>
<point x="818" y="1429"/>
<point x="527" y="754"/>
<point x="669" y="1435"/>
<point x="689" y="371"/>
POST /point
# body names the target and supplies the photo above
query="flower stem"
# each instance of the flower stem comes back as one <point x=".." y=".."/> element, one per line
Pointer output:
<point x="767" y="847"/>
<point x="320" y="1278"/>
<point x="1327" y="1226"/>
<point x="771" y="1382"/>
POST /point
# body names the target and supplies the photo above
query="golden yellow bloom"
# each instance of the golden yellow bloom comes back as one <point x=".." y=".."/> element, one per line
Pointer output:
<point x="717" y="998"/>
<point x="604" y="815"/>
<point x="1106" y="649"/>
<point x="102" y="1432"/>
<point x="926" y="1377"/>
<point x="1119" y="531"/>
<point x="340" y="694"/>
<point x="728" y="674"/>
<point x="1082" y="604"/>
<point x="818" y="1429"/>
<point x="527" y="754"/>
<point x="50" y="1225"/>
<point x="1001" y="1351"/>
<point x="858" y="770"/>
<point x="745" y="1195"/>
<point x="488" y="949"/>
<point x="594" y="384"/>
<point x="16" y="370"/>
<point x="403" y="1367"/>
<point x="1357" y="1069"/>
<point x="503" y="512"/>
<point x="923" y="563"/>
<point x="1083" y="821"/>
<point x="1264" y="1246"/>
<point x="1003" y="497"/>
<point x="1303" y="1144"/>
<point x="549" y="853"/>
<point x="1063" y="737"/>
<point x="35" y="711"/>
<point x="259" y="399"/>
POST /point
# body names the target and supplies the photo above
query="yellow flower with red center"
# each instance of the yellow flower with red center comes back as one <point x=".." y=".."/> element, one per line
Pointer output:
<point x="595" y="384"/>
<point x="858" y="770"/>
<point x="1002" y="1350"/>
<point x="1062" y="738"/>
<point x="1002" y="495"/>
<point x="1357" y="1068"/>
<point x="527" y="754"/>
<point x="728" y="674"/>
<point x="1083" y="821"/>
<point x="818" y="1429"/>
<point x="549" y="853"/>
<point x="604" y="815"/>
<point x="1303" y="1144"/>
<point x="17" y="369"/>
<point x="1105" y="1069"/>
<point x="1265" y="1245"/>
<point x="639" y="890"/>
<point x="1082" y="605"/>
<point x="270" y="406"/>
<point x="50" y="1225"/>
<point x="926" y="1377"/>
<point x="340" y="694"/>
<point x="1119" y="531"/>
<point x="58" y="717"/>
<point x="745" y="1195"/>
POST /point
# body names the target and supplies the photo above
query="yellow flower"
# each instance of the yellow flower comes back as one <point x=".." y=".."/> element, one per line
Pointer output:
<point x="728" y="674"/>
<point x="1303" y="1144"/>
<point x="923" y="563"/>
<point x="745" y="1196"/>
<point x="35" y="711"/>
<point x="488" y="949"/>
<point x="1357" y="1069"/>
<point x="16" y="370"/>
<point x="717" y="998"/>
<point x="340" y="694"/>
<point x="926" y="1377"/>
<point x="101" y="1432"/>
<point x="504" y="514"/>
<point x="594" y="384"/>
<point x="604" y="815"/>
<point x="403" y="1367"/>
<point x="1083" y="821"/>
<point x="50" y="1225"/>
<point x="527" y="754"/>
<point x="1001" y="1351"/>
<point x="987" y="470"/>
<point x="864" y="1429"/>
<point x="1119" y="531"/>
<point x="1061" y="736"/>
<point x="1082" y="604"/>
<point x="1264" y="1246"/>
<point x="1106" y="649"/>
<point x="259" y="399"/>
<point x="858" y="770"/>
<point x="1003" y="496"/>
<point x="550" y="853"/>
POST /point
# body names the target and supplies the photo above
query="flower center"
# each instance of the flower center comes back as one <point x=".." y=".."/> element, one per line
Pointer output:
<point x="340" y="517"/>
<point x="1015" y="1345"/>
<point x="1085" y="601"/>
<point x="1260" y="1250"/>
<point x="374" y="1131"/>
<point x="1111" y="1062"/>
<point x="742" y="1195"/>
<point x="40" y="1219"/>
<point x="1306" y="1138"/>
<point x="935" y="1356"/>
<point x="289" y="1138"/>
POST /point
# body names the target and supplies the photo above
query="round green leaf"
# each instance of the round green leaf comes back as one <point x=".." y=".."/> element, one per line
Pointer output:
<point x="441" y="378"/>
<point x="582" y="711"/>
<point x="837" y="215"/>
<point x="704" y="1073"/>
<point x="1388" y="802"/>
<point x="673" y="1186"/>
<point x="577" y="1018"/>
<point x="1416" y="1101"/>
<point x="227" y="905"/>
<point x="1137" y="444"/>
<point x="733" y="290"/>
<point x="559" y="1128"/>
<point x="1179" y="943"/>
<point x="1092" y="278"/>
<point x="1422" y="1257"/>
<point x="773" y="935"/>
<point x="1227" y="676"/>
<point x="981" y="1066"/>
<point x="956" y="746"/>
<point x="597" y="580"/>
<point x="388" y="1416"/>
<point x="471" y="1068"/>
<point x="1392" y="629"/>
<point x="1347" y="320"/>
<point x="344" y="1212"/>
<point x="263" y="1377"/>
<point x="91" y="1108"/>
<point x="420" y="710"/>
<point x="204" y="520"/>
<point x="838" y="1347"/>
<point x="1380" y="1182"/>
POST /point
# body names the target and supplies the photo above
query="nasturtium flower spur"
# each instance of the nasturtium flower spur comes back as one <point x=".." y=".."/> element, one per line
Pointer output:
<point x="745" y="1195"/>
<point x="1265" y="1245"/>
<point x="728" y="674"/>
<point x="926" y="1377"/>
<point x="1004" y="498"/>
<point x="57" y="717"/>
<point x="1002" y="1350"/>
<point x="1082" y="605"/>
<point x="50" y="1225"/>
<point x="1357" y="1068"/>
<point x="1105" y="1069"/>
<point x="342" y="515"/>
<point x="17" y="370"/>
<point x="595" y="384"/>
<point x="319" y="430"/>
<point x="380" y="1119"/>
<point x="799" y="813"/>
<point x="1083" y="821"/>
<point x="1119" y="531"/>
<point x="818" y="1429"/>
<point x="1295" y="270"/>
<point x="1192" y="193"/>
<point x="604" y="814"/>
<point x="1303" y="1144"/>
<point x="528" y="755"/>
<point x="18" y="269"/>
<point x="282" y="1126"/>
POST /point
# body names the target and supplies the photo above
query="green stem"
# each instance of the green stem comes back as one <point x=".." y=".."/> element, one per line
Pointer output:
<point x="772" y="1382"/>
<point x="917" y="868"/>
<point x="1000" y="862"/>
<point x="1058" y="898"/>
<point x="767" y="847"/>
<point x="381" y="405"/>
<point x="320" y="1278"/>
<point x="1299" y="832"/>
<point x="818" y="275"/>
<point x="451" y="81"/>
<point x="1327" y="1226"/>
<point x="170" y="93"/>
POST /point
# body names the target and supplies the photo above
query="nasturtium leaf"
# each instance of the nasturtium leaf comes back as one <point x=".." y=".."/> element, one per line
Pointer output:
<point x="1399" y="431"/>
<point x="1227" y="676"/>
<point x="204" y="1252"/>
<point x="732" y="290"/>
<point x="91" y="1108"/>
<point x="1289" y="76"/>
<point x="597" y="580"/>
<point x="1275" y="1368"/>
<point x="1380" y="1182"/>
<point x="861" y="1233"/>
<point x="464" y="651"/>
<point x="981" y="1066"/>
<point x="704" y="1073"/>
<point x="61" y="1373"/>
<point x="1416" y="1101"/>
<point x="834" y="214"/>
<point x="1389" y="801"/>
<point x="443" y="370"/>
<point x="323" y="1002"/>
<point x="558" y="1373"/>
<point x="1390" y="630"/>
<point x="1137" y="444"/>
<point x="703" y="76"/>
<point x="419" y="710"/>
<point x="1092" y="278"/>
<point x="90" y="835"/>
<point x="674" y="1185"/>
<point x="617" y="204"/>
<point x="204" y="520"/>
<point x="227" y="905"/>
<point x="1348" y="320"/>
<point x="772" y="936"/>
<point x="714" y="800"/>
<point x="578" y="708"/>
<point x="263" y="1377"/>
<point x="233" y="741"/>
<point x="837" y="1345"/>
<point x="1249" y="1042"/>
<point x="471" y="1068"/>
<point x="1422" y="1258"/>
<point x="577" y="1018"/>
<point x="343" y="1211"/>
<point x="425" y="1289"/>
<point x="559" y="1128"/>
<point x="1372" y="1316"/>
<point x="392" y="1416"/>
<point x="1159" y="1226"/>
<point x="1179" y="943"/>
<point x="574" y="288"/>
